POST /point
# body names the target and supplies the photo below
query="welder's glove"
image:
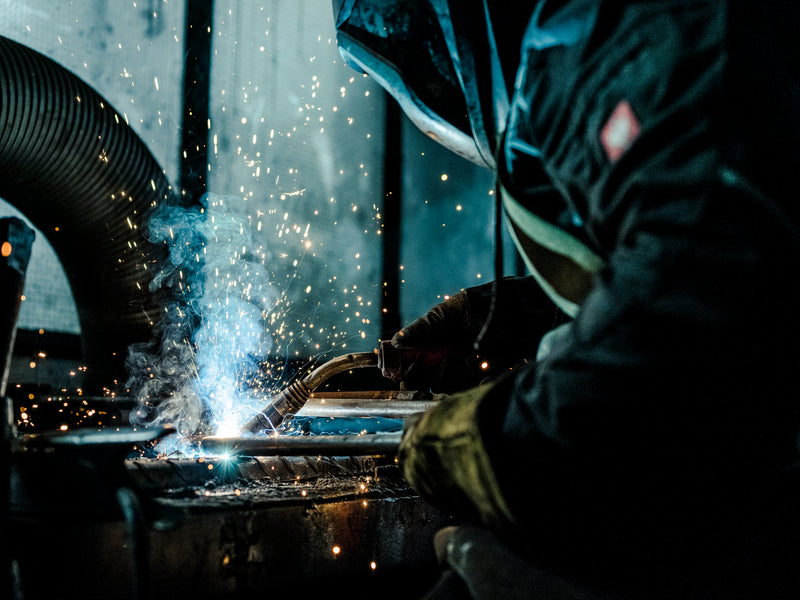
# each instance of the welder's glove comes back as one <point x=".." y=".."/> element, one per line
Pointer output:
<point x="443" y="458"/>
<point x="437" y="351"/>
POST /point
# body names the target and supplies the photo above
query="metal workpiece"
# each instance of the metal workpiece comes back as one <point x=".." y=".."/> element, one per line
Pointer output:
<point x="332" y="509"/>
<point x="163" y="476"/>
<point x="213" y="527"/>
<point x="292" y="398"/>
<point x="91" y="441"/>
<point x="74" y="473"/>
<point x="299" y="445"/>
<point x="389" y="404"/>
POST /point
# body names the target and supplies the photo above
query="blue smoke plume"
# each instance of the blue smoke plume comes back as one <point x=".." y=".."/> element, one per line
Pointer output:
<point x="203" y="371"/>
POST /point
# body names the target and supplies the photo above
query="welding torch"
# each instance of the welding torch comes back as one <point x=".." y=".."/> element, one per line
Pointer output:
<point x="292" y="398"/>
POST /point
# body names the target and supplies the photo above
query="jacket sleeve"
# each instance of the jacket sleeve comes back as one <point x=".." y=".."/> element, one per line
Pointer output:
<point x="674" y="381"/>
<point x="673" y="388"/>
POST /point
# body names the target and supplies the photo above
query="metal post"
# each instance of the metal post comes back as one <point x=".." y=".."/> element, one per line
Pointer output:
<point x="196" y="109"/>
<point x="16" y="240"/>
<point x="392" y="215"/>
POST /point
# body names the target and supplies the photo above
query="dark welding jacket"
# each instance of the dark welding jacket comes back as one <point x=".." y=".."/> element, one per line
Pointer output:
<point x="649" y="151"/>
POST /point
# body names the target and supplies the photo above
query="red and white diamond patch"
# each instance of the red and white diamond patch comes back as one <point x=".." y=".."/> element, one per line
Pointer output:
<point x="620" y="131"/>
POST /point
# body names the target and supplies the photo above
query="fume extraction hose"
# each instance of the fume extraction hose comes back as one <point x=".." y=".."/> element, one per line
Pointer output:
<point x="73" y="166"/>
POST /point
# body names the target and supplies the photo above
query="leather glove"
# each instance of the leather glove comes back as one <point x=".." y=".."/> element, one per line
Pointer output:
<point x="437" y="351"/>
<point x="443" y="458"/>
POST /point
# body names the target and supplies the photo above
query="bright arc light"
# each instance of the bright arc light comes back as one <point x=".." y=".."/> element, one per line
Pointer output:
<point x="229" y="427"/>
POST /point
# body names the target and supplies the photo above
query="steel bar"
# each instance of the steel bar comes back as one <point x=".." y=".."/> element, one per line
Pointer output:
<point x="373" y="395"/>
<point x="298" y="445"/>
<point x="391" y="404"/>
<point x="93" y="439"/>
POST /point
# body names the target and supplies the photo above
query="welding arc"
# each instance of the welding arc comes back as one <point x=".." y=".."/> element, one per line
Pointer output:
<point x="296" y="394"/>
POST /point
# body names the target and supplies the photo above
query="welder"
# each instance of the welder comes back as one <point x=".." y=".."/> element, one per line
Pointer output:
<point x="646" y="159"/>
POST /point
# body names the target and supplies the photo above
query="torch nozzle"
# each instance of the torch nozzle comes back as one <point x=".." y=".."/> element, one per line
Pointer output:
<point x="294" y="396"/>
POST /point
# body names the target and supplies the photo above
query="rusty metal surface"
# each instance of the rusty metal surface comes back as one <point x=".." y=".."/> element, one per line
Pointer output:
<point x="336" y="524"/>
<point x="267" y="486"/>
<point x="277" y="525"/>
<point x="338" y="520"/>
<point x="209" y="484"/>
<point x="159" y="476"/>
<point x="351" y="548"/>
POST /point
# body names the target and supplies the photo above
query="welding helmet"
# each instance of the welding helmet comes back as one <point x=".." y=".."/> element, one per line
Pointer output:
<point x="440" y="63"/>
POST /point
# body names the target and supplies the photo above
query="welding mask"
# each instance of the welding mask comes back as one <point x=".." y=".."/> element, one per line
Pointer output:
<point x="441" y="66"/>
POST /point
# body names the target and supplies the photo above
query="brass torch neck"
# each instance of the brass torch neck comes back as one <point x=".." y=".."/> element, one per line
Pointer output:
<point x="287" y="401"/>
<point x="292" y="398"/>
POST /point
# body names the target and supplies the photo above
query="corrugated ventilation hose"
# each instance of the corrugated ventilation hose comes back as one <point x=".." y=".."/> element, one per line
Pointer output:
<point x="73" y="166"/>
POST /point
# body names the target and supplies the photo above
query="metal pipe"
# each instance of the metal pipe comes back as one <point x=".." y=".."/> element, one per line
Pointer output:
<point x="388" y="404"/>
<point x="292" y="398"/>
<point x="300" y="445"/>
<point x="136" y="524"/>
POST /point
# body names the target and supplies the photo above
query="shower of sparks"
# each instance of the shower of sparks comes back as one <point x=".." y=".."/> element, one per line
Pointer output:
<point x="206" y="373"/>
<point x="299" y="200"/>
<point x="287" y="266"/>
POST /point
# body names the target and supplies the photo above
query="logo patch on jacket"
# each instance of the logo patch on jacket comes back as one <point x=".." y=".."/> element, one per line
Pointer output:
<point x="620" y="131"/>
